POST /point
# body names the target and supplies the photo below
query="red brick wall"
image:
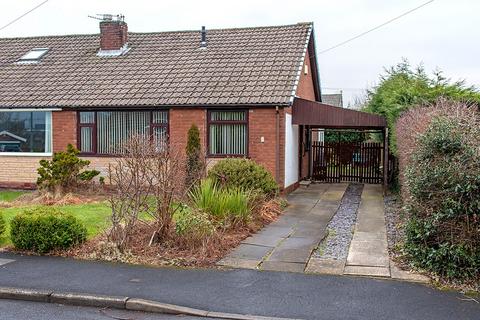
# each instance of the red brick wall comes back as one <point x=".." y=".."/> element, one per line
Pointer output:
<point x="262" y="123"/>
<point x="181" y="119"/>
<point x="305" y="90"/>
<point x="64" y="129"/>
<point x="305" y="87"/>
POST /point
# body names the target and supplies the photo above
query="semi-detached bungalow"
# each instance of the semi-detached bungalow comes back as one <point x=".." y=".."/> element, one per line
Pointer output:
<point x="237" y="85"/>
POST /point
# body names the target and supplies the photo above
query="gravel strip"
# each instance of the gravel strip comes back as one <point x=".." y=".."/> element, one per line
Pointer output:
<point x="394" y="221"/>
<point x="340" y="229"/>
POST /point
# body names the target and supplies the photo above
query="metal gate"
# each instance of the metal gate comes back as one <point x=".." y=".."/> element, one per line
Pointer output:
<point x="339" y="161"/>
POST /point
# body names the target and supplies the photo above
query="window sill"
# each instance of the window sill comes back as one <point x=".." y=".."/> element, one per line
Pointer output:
<point x="26" y="154"/>
<point x="227" y="156"/>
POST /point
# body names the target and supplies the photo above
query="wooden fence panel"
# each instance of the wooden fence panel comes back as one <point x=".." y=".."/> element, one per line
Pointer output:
<point x="355" y="162"/>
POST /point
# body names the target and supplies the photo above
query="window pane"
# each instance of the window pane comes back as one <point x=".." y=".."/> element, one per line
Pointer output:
<point x="227" y="115"/>
<point x="228" y="139"/>
<point x="25" y="131"/>
<point x="87" y="117"/>
<point x="160" y="137"/>
<point x="86" y="139"/>
<point x="160" y="117"/>
<point x="114" y="128"/>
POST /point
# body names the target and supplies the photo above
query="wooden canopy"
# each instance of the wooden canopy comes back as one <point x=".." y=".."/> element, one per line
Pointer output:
<point x="316" y="114"/>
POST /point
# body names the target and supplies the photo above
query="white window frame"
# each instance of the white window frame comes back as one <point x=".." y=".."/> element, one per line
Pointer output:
<point x="49" y="130"/>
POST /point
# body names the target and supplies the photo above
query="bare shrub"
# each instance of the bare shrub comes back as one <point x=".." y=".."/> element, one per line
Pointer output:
<point x="148" y="180"/>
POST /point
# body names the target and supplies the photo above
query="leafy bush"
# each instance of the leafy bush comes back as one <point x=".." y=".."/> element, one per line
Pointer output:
<point x="332" y="136"/>
<point x="63" y="171"/>
<point x="194" y="225"/>
<point x="244" y="174"/>
<point x="2" y="225"/>
<point x="44" y="229"/>
<point x="443" y="202"/>
<point x="403" y="87"/>
<point x="193" y="150"/>
<point x="221" y="203"/>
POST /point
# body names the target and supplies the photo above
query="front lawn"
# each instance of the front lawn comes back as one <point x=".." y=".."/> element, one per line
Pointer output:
<point x="10" y="195"/>
<point x="93" y="215"/>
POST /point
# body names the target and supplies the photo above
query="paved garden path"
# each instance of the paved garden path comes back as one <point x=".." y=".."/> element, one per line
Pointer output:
<point x="368" y="253"/>
<point x="287" y="244"/>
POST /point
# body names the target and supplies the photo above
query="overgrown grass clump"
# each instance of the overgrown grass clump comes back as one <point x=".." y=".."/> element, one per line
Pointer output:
<point x="222" y="203"/>
<point x="44" y="229"/>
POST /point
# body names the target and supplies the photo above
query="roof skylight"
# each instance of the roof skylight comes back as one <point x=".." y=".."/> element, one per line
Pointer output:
<point x="33" y="56"/>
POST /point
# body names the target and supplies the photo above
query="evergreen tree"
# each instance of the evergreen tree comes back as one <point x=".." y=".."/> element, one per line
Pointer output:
<point x="194" y="161"/>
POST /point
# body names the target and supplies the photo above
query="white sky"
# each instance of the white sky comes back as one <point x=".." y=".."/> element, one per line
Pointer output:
<point x="443" y="34"/>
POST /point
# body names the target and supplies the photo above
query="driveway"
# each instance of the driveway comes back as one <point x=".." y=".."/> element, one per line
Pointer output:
<point x="287" y="244"/>
<point x="267" y="293"/>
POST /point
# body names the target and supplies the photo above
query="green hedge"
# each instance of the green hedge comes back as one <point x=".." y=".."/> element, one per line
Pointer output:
<point x="443" y="181"/>
<point x="44" y="229"/>
<point x="2" y="224"/>
<point x="244" y="174"/>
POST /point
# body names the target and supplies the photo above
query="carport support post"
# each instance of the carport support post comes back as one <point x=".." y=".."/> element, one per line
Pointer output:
<point x="385" y="160"/>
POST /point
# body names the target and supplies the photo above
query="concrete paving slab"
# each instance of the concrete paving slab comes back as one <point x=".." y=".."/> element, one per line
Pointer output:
<point x="283" y="266"/>
<point x="285" y="221"/>
<point x="370" y="225"/>
<point x="297" y="243"/>
<point x="400" y="274"/>
<point x="363" y="259"/>
<point x="371" y="247"/>
<point x="371" y="210"/>
<point x="250" y="252"/>
<point x="312" y="220"/>
<point x="319" y="210"/>
<point x="263" y="240"/>
<point x="294" y="250"/>
<point x="277" y="231"/>
<point x="364" y="236"/>
<point x="238" y="263"/>
<point x="367" y="271"/>
<point x="325" y="266"/>
<point x="309" y="232"/>
<point x="297" y="211"/>
<point x="290" y="255"/>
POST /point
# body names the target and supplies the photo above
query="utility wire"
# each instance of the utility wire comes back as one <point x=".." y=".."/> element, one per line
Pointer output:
<point x="23" y="15"/>
<point x="376" y="28"/>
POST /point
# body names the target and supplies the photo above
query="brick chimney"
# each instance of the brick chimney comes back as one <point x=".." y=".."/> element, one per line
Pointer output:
<point x="113" y="34"/>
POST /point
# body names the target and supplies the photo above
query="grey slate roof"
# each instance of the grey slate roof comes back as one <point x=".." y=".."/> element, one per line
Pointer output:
<point x="333" y="99"/>
<point x="239" y="66"/>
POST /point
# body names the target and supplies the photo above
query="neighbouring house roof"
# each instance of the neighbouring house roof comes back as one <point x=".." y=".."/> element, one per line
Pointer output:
<point x="333" y="99"/>
<point x="10" y="137"/>
<point x="245" y="66"/>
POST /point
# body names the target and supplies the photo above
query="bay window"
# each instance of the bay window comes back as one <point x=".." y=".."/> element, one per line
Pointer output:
<point x="227" y="133"/>
<point x="27" y="132"/>
<point x="103" y="132"/>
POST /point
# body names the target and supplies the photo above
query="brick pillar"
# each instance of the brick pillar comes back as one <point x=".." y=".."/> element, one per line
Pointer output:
<point x="64" y="129"/>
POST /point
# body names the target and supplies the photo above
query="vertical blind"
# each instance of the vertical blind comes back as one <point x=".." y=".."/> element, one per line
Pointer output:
<point x="228" y="133"/>
<point x="109" y="129"/>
